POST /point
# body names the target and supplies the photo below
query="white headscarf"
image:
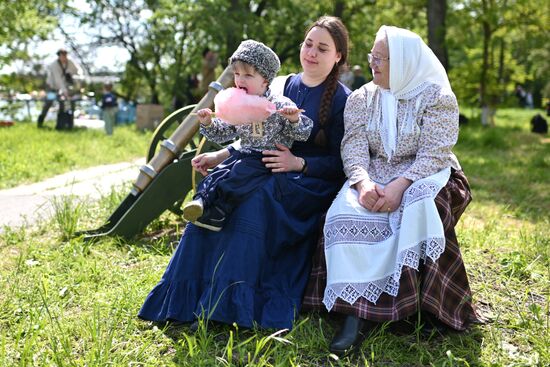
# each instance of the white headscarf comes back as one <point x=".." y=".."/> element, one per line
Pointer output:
<point x="413" y="65"/>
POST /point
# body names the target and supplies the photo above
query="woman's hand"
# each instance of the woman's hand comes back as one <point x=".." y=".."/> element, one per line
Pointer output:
<point x="282" y="160"/>
<point x="369" y="193"/>
<point x="204" y="161"/>
<point x="393" y="193"/>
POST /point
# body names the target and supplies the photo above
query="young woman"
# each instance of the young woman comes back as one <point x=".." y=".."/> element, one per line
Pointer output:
<point x="254" y="271"/>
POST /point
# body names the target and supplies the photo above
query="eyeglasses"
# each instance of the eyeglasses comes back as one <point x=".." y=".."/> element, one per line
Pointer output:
<point x="376" y="60"/>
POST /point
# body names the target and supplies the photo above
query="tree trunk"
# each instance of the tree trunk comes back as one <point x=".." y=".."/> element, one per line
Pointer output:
<point x="437" y="11"/>
<point x="339" y="8"/>
<point x="484" y="98"/>
<point x="485" y="63"/>
<point x="154" y="94"/>
<point x="148" y="74"/>
<point x="233" y="35"/>
<point x="501" y="76"/>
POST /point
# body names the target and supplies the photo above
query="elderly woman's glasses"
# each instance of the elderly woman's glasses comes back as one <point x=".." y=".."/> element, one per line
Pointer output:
<point x="376" y="60"/>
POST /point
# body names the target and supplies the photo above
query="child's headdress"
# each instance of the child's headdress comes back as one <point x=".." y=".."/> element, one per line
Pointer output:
<point x="258" y="55"/>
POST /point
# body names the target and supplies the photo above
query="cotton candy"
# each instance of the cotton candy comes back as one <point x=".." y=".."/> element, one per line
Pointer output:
<point x="236" y="107"/>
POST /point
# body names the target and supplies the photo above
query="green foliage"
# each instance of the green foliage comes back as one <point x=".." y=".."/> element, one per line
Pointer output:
<point x="516" y="48"/>
<point x="23" y="82"/>
<point x="363" y="18"/>
<point x="22" y="21"/>
<point x="166" y="38"/>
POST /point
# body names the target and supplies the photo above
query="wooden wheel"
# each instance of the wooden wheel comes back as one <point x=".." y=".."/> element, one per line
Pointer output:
<point x="167" y="128"/>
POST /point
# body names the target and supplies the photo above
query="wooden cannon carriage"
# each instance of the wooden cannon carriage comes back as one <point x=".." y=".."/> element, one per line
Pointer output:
<point x="163" y="183"/>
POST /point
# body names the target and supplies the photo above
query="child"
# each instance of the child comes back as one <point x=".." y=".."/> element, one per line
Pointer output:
<point x="255" y="66"/>
<point x="109" y="107"/>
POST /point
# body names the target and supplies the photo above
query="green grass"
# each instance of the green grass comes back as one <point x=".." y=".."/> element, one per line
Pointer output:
<point x="67" y="302"/>
<point x="28" y="154"/>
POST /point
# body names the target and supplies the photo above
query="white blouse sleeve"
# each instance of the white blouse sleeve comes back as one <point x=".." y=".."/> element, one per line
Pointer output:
<point x="438" y="135"/>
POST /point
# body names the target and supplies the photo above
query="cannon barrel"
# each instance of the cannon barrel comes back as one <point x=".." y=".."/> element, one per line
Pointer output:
<point x="164" y="181"/>
<point x="171" y="147"/>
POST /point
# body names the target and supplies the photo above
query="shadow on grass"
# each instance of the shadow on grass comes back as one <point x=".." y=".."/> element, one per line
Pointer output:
<point x="391" y="344"/>
<point x="403" y="343"/>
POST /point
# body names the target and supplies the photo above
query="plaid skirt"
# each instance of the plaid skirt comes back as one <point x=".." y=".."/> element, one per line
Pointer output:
<point x="440" y="288"/>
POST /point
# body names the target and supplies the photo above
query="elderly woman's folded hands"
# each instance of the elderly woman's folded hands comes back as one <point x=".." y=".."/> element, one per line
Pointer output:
<point x="377" y="199"/>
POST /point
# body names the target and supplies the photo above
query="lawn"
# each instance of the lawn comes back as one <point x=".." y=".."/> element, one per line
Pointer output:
<point x="64" y="301"/>
<point x="28" y="154"/>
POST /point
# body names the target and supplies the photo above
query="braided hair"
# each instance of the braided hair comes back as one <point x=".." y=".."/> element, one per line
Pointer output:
<point x="339" y="34"/>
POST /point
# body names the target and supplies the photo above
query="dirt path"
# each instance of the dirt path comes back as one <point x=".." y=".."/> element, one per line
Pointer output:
<point x="26" y="204"/>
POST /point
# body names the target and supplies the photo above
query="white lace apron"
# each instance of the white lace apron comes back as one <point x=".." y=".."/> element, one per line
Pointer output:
<point x="366" y="251"/>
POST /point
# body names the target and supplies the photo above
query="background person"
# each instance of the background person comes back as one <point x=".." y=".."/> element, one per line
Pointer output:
<point x="60" y="77"/>
<point x="529" y="103"/>
<point x="390" y="248"/>
<point x="346" y="75"/>
<point x="254" y="271"/>
<point x="358" y="78"/>
<point x="109" y="108"/>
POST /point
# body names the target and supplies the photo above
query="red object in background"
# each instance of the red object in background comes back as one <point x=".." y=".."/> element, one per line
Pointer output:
<point x="6" y="123"/>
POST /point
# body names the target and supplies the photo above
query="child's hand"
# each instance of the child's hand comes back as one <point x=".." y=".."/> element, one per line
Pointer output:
<point x="205" y="116"/>
<point x="291" y="113"/>
<point x="204" y="161"/>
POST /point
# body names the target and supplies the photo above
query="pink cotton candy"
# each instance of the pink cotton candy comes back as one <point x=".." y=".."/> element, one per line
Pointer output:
<point x="236" y="107"/>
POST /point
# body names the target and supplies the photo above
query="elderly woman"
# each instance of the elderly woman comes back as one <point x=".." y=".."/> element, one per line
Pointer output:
<point x="390" y="245"/>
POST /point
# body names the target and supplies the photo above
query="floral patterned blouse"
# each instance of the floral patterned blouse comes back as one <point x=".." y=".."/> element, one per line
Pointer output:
<point x="427" y="130"/>
<point x="260" y="136"/>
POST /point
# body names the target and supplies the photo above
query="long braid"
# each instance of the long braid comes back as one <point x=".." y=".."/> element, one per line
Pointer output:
<point x="339" y="34"/>
<point x="326" y="103"/>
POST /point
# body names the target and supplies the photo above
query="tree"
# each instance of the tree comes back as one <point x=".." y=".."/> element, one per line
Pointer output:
<point x="486" y="45"/>
<point x="165" y="38"/>
<point x="21" y="22"/>
<point x="492" y="46"/>
<point x="437" y="12"/>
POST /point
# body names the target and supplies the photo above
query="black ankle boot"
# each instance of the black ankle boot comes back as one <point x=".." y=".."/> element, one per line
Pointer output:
<point x="194" y="327"/>
<point x="432" y="325"/>
<point x="349" y="335"/>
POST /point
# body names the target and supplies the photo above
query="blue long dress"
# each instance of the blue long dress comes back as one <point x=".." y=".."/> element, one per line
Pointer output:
<point x="254" y="271"/>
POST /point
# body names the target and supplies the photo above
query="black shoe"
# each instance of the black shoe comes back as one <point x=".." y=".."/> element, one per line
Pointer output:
<point x="350" y="335"/>
<point x="194" y="327"/>
<point x="432" y="325"/>
<point x="212" y="219"/>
